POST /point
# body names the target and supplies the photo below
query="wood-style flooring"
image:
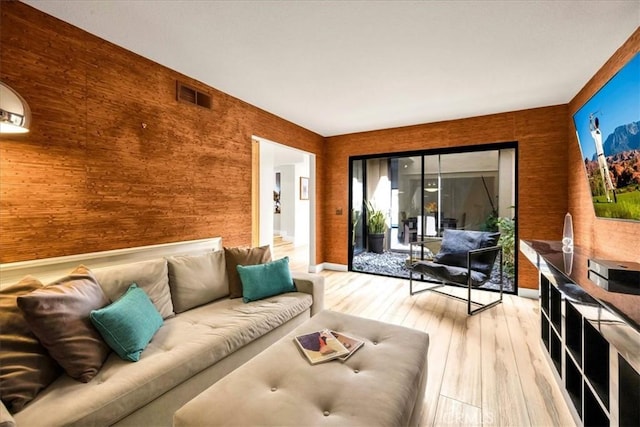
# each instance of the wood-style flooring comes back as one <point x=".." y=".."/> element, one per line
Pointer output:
<point x="487" y="369"/>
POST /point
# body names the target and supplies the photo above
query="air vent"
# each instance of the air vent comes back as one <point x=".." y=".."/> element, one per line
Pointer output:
<point x="190" y="95"/>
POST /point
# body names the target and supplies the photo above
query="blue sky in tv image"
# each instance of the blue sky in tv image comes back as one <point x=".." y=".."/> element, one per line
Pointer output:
<point x="616" y="104"/>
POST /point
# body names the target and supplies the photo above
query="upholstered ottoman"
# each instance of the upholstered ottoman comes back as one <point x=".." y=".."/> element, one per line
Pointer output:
<point x="381" y="384"/>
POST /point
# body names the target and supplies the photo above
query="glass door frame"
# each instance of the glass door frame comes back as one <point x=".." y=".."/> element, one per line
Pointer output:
<point x="422" y="153"/>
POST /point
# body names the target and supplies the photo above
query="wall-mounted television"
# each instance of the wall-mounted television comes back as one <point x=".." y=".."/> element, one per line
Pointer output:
<point x="608" y="131"/>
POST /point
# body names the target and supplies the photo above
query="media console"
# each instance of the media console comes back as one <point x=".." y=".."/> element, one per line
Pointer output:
<point x="591" y="337"/>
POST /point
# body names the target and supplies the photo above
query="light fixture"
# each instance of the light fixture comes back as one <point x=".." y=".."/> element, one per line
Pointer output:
<point x="431" y="186"/>
<point x="15" y="115"/>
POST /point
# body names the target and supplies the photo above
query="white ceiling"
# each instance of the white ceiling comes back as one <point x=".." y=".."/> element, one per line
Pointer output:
<point x="338" y="67"/>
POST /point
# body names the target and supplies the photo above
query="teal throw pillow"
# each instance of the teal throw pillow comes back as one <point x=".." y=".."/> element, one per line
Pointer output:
<point x="265" y="280"/>
<point x="128" y="324"/>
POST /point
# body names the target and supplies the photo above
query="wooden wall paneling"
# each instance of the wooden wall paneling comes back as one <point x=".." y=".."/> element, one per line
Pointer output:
<point x="90" y="177"/>
<point x="542" y="178"/>
<point x="42" y="191"/>
<point x="609" y="239"/>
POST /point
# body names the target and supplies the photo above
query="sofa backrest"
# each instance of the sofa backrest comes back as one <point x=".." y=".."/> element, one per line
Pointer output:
<point x="49" y="269"/>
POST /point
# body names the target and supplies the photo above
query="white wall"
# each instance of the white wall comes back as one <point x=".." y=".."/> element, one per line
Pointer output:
<point x="287" y="201"/>
<point x="301" y="227"/>
<point x="267" y="183"/>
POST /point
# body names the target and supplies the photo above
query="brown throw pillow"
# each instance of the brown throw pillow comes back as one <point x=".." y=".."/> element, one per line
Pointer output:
<point x="25" y="366"/>
<point x="58" y="315"/>
<point x="243" y="256"/>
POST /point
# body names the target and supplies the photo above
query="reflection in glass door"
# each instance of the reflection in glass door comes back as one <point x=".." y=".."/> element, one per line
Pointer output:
<point x="357" y="207"/>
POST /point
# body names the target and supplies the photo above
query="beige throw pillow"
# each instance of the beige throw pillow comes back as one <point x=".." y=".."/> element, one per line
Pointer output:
<point x="196" y="280"/>
<point x="152" y="276"/>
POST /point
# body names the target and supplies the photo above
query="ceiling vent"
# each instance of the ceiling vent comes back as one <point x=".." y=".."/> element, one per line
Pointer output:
<point x="190" y="95"/>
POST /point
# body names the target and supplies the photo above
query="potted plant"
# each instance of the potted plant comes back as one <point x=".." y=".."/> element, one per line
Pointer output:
<point x="507" y="227"/>
<point x="376" y="227"/>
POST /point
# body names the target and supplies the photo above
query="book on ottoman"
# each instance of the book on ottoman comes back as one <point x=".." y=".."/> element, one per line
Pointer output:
<point x="350" y="343"/>
<point x="326" y="345"/>
<point x="320" y="346"/>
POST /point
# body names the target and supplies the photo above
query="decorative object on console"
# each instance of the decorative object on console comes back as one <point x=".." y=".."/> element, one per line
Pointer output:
<point x="567" y="234"/>
<point x="15" y="115"/>
<point x="567" y="258"/>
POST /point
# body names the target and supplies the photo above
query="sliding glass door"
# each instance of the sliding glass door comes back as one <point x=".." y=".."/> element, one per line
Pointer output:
<point x="422" y="194"/>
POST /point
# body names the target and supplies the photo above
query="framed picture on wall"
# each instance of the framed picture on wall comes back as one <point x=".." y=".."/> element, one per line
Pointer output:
<point x="304" y="188"/>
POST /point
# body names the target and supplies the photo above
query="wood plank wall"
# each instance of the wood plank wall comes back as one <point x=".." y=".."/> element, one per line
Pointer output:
<point x="542" y="176"/>
<point x="608" y="239"/>
<point x="89" y="177"/>
<point x="112" y="159"/>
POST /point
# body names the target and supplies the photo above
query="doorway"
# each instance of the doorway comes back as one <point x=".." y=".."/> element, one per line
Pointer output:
<point x="421" y="194"/>
<point x="286" y="198"/>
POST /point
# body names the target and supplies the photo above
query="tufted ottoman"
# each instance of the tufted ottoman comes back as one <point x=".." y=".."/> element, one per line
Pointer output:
<point x="382" y="384"/>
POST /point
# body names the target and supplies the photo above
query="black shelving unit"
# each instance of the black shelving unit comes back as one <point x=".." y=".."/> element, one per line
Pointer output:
<point x="573" y="384"/>
<point x="593" y="350"/>
<point x="596" y="362"/>
<point x="629" y="415"/>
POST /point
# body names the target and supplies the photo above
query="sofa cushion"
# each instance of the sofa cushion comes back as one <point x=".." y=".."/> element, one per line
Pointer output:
<point x="25" y="365"/>
<point x="152" y="276"/>
<point x="58" y="315"/>
<point x="185" y="345"/>
<point x="198" y="279"/>
<point x="265" y="280"/>
<point x="128" y="324"/>
<point x="243" y="256"/>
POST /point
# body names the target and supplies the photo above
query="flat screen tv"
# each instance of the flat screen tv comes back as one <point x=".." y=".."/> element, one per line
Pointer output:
<point x="608" y="131"/>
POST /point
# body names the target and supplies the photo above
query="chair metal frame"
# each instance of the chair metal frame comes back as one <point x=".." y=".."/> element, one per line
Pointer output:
<point x="442" y="282"/>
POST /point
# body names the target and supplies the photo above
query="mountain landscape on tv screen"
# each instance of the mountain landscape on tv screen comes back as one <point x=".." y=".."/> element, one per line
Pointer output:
<point x="622" y="150"/>
<point x="624" y="138"/>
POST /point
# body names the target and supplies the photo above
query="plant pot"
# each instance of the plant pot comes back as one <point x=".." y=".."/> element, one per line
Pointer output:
<point x="376" y="243"/>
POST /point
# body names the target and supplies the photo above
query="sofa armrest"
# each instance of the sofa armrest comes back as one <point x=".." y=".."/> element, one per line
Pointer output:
<point x="6" y="420"/>
<point x="312" y="284"/>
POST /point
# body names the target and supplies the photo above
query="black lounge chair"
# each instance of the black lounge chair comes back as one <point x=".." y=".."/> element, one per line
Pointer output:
<point x="466" y="259"/>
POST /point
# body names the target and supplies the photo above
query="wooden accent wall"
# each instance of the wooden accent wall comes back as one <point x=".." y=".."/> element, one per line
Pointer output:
<point x="112" y="159"/>
<point x="609" y="239"/>
<point x="542" y="177"/>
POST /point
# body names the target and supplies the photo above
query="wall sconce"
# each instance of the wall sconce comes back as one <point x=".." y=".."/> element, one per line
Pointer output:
<point x="15" y="115"/>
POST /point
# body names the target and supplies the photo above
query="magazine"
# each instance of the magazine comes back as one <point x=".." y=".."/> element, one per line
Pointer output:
<point x="320" y="346"/>
<point x="325" y="345"/>
<point x="349" y="342"/>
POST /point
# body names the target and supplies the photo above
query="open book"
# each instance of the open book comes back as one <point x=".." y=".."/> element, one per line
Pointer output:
<point x="325" y="345"/>
<point x="349" y="342"/>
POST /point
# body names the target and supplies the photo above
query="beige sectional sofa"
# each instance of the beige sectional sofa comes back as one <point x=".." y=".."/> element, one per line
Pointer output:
<point x="192" y="350"/>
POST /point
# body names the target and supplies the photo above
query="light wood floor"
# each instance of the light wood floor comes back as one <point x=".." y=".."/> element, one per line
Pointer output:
<point x="487" y="369"/>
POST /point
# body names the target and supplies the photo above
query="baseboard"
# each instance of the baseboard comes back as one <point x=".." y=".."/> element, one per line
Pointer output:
<point x="315" y="268"/>
<point x="327" y="266"/>
<point x="528" y="293"/>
